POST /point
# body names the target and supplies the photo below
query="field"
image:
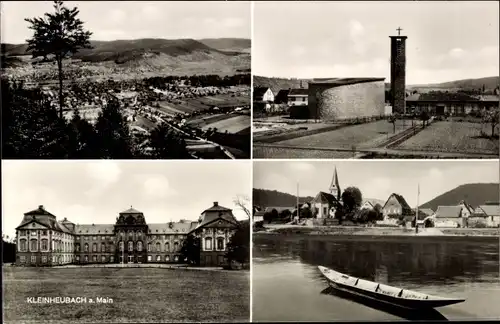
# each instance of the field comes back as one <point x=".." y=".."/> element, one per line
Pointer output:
<point x="260" y="152"/>
<point x="447" y="136"/>
<point x="234" y="124"/>
<point x="203" y="103"/>
<point x="139" y="295"/>
<point x="347" y="137"/>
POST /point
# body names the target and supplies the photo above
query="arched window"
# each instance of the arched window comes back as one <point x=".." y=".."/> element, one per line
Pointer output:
<point x="139" y="246"/>
<point x="94" y="247"/>
<point x="33" y="245"/>
<point x="176" y="246"/>
<point x="139" y="234"/>
<point x="103" y="247"/>
<point x="45" y="244"/>
<point x="167" y="247"/>
<point x="121" y="246"/>
<point x="158" y="247"/>
<point x="130" y="246"/>
<point x="149" y="247"/>
<point x="208" y="243"/>
<point x="220" y="243"/>
<point x="22" y="247"/>
<point x="167" y="258"/>
<point x="77" y="247"/>
<point x="86" y="247"/>
<point x="130" y="234"/>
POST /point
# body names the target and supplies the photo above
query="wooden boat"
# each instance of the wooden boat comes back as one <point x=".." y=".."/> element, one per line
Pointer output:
<point x="384" y="293"/>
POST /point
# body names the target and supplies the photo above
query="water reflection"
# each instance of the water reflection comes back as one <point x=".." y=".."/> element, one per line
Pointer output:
<point x="412" y="315"/>
<point x="415" y="262"/>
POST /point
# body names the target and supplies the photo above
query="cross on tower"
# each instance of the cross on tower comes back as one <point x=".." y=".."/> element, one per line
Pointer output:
<point x="399" y="31"/>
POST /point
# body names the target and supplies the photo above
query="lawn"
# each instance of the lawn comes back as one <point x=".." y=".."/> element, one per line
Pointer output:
<point x="357" y="135"/>
<point x="139" y="295"/>
<point x="260" y="152"/>
<point x="445" y="136"/>
<point x="233" y="125"/>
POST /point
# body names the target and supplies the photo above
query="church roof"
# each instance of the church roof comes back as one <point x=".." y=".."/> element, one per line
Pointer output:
<point x="131" y="211"/>
<point x="298" y="92"/>
<point x="336" y="82"/>
<point x="325" y="198"/>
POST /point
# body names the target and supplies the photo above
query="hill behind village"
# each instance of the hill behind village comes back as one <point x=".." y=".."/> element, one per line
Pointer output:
<point x="273" y="198"/>
<point x="474" y="194"/>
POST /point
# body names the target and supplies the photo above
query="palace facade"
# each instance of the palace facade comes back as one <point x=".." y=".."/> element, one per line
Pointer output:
<point x="42" y="240"/>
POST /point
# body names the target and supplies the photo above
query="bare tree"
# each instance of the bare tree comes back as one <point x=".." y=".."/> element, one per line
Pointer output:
<point x="243" y="201"/>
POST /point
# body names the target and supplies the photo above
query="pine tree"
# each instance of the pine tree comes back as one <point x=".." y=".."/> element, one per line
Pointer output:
<point x="59" y="34"/>
<point x="167" y="144"/>
<point x="112" y="133"/>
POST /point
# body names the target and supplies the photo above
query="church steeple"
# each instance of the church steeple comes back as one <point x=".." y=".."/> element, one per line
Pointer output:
<point x="334" y="186"/>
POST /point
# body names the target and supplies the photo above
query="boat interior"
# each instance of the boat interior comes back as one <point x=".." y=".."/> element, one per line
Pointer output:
<point x="380" y="288"/>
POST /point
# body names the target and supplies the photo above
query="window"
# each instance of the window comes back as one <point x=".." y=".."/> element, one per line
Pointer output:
<point x="94" y="258"/>
<point x="86" y="246"/>
<point x="139" y="234"/>
<point x="167" y="247"/>
<point x="176" y="258"/>
<point x="325" y="210"/>
<point x="45" y="244"/>
<point x="44" y="259"/>
<point x="111" y="259"/>
<point x="139" y="246"/>
<point x="77" y="246"/>
<point x="77" y="258"/>
<point x="44" y="232"/>
<point x="33" y="245"/>
<point x="158" y="247"/>
<point x="33" y="233"/>
<point x="103" y="247"/>
<point x="220" y="243"/>
<point x="33" y="259"/>
<point x="78" y="237"/>
<point x="22" y="233"/>
<point x="121" y="246"/>
<point x="22" y="246"/>
<point x="158" y="258"/>
<point x="22" y="258"/>
<point x="86" y="258"/>
<point x="208" y="243"/>
<point x="176" y="246"/>
<point x="130" y="246"/>
<point x="94" y="247"/>
<point x="103" y="258"/>
<point x="103" y="238"/>
<point x="167" y="258"/>
<point x="149" y="257"/>
<point x="149" y="247"/>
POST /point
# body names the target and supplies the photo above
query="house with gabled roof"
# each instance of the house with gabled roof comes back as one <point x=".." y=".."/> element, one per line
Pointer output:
<point x="488" y="215"/>
<point x="298" y="97"/>
<point x="263" y="94"/>
<point x="396" y="208"/>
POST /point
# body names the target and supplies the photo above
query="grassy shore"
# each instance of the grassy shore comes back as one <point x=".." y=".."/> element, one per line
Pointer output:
<point x="138" y="294"/>
<point x="373" y="231"/>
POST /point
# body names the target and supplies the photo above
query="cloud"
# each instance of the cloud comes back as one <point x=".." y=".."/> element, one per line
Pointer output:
<point x="300" y="167"/>
<point x="356" y="29"/>
<point x="298" y="51"/>
<point x="116" y="16"/>
<point x="233" y="22"/>
<point x="157" y="187"/>
<point x="105" y="173"/>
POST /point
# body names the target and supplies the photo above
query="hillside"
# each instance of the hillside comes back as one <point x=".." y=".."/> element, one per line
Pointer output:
<point x="489" y="83"/>
<point x="272" y="198"/>
<point x="277" y="84"/>
<point x="241" y="45"/>
<point x="474" y="193"/>
<point x="122" y="51"/>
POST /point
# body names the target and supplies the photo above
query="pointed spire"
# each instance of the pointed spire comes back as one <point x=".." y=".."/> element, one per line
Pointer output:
<point x="334" y="186"/>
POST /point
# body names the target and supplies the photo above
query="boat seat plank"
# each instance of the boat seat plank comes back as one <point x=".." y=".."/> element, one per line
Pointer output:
<point x="388" y="290"/>
<point x="367" y="285"/>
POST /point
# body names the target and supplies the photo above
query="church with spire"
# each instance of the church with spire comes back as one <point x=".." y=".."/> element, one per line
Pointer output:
<point x="325" y="204"/>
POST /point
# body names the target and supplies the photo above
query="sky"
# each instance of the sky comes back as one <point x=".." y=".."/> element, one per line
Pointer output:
<point x="376" y="179"/>
<point x="112" y="20"/>
<point x="447" y="41"/>
<point x="95" y="192"/>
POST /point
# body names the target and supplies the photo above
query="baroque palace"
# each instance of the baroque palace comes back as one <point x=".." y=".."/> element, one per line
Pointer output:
<point x="44" y="241"/>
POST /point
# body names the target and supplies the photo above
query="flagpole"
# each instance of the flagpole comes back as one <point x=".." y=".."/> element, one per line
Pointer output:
<point x="298" y="210"/>
<point x="416" y="216"/>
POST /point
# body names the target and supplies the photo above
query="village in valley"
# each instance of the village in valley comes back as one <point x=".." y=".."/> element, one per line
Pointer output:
<point x="390" y="114"/>
<point x="166" y="98"/>
<point x="345" y="210"/>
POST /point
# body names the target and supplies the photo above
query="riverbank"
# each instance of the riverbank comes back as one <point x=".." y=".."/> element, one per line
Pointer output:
<point x="375" y="231"/>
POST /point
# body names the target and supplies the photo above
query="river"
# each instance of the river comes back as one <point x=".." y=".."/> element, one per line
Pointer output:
<point x="286" y="285"/>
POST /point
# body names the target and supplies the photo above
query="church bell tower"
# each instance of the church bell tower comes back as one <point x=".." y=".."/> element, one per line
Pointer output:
<point x="398" y="73"/>
<point x="334" y="186"/>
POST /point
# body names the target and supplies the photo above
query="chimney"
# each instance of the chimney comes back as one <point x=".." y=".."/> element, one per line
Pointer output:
<point x="216" y="203"/>
<point x="40" y="206"/>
